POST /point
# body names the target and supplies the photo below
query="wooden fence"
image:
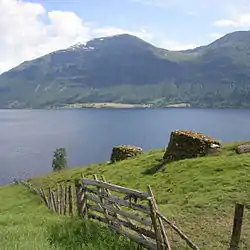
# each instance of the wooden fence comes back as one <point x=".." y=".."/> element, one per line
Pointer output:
<point x="132" y="213"/>
<point x="237" y="225"/>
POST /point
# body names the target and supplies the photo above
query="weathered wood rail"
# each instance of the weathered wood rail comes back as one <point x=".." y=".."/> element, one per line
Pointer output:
<point x="132" y="213"/>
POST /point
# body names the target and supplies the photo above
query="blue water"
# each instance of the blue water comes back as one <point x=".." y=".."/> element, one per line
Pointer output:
<point x="29" y="137"/>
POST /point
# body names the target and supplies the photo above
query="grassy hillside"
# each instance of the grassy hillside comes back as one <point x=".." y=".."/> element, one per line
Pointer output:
<point x="26" y="224"/>
<point x="197" y="194"/>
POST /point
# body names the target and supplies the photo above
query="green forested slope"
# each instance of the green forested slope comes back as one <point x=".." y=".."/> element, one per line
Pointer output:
<point x="126" y="69"/>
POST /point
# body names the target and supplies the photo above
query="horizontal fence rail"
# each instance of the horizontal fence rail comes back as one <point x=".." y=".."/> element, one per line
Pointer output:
<point x="132" y="213"/>
<point x="123" y="214"/>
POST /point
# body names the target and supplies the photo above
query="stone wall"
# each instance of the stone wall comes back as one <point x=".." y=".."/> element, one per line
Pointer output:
<point x="123" y="152"/>
<point x="185" y="144"/>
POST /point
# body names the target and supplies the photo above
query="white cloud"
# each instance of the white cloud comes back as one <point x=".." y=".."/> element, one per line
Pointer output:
<point x="238" y="15"/>
<point x="215" y="35"/>
<point x="158" y="3"/>
<point x="184" y="5"/>
<point x="240" y="21"/>
<point x="144" y="34"/>
<point x="147" y="36"/>
<point x="173" y="45"/>
<point x="28" y="30"/>
<point x="110" y="31"/>
<point x="225" y="23"/>
<point x="192" y="13"/>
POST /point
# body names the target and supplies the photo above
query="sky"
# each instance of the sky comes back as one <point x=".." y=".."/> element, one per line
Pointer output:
<point x="32" y="28"/>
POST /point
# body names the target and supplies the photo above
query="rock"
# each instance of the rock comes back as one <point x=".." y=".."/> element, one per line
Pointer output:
<point x="123" y="152"/>
<point x="242" y="149"/>
<point x="185" y="144"/>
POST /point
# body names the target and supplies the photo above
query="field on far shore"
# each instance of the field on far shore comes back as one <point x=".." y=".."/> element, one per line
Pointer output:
<point x="121" y="105"/>
<point x="106" y="105"/>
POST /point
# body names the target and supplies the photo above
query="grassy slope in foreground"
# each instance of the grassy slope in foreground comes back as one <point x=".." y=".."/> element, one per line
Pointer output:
<point x="198" y="194"/>
<point x="26" y="224"/>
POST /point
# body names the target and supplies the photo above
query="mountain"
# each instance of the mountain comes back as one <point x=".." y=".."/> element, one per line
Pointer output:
<point x="126" y="69"/>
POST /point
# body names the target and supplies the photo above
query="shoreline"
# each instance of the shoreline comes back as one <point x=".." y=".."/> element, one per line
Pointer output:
<point x="120" y="105"/>
<point x="110" y="105"/>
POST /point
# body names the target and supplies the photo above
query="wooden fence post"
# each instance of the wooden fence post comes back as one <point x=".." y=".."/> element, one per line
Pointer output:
<point x="43" y="195"/>
<point x="160" y="233"/>
<point x="78" y="196"/>
<point x="179" y="232"/>
<point x="102" y="200"/>
<point x="84" y="201"/>
<point x="237" y="225"/>
<point x="58" y="199"/>
<point x="50" y="200"/>
<point x="65" y="200"/>
<point x="109" y="193"/>
<point x="158" y="237"/>
<point x="70" y="200"/>
<point x="61" y="199"/>
<point x="53" y="200"/>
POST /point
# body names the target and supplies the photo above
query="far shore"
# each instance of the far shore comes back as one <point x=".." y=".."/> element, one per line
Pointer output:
<point x="106" y="105"/>
<point x="120" y="105"/>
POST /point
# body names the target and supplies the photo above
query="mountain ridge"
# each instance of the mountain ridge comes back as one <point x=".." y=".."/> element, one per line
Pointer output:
<point x="127" y="69"/>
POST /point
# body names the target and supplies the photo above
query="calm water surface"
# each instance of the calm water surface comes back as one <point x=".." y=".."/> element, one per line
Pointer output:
<point x="29" y="137"/>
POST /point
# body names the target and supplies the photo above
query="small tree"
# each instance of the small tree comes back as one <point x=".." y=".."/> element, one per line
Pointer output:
<point x="59" y="159"/>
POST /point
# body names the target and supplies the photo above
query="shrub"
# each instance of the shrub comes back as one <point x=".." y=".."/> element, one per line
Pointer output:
<point x="59" y="159"/>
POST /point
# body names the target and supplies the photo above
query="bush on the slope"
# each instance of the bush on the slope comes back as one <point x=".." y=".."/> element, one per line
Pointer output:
<point x="60" y="159"/>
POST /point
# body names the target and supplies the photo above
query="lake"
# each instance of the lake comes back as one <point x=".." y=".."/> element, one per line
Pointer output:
<point x="29" y="137"/>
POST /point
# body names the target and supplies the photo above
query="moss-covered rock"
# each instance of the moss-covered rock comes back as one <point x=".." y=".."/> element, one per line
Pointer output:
<point x="185" y="144"/>
<point x="123" y="152"/>
<point x="243" y="149"/>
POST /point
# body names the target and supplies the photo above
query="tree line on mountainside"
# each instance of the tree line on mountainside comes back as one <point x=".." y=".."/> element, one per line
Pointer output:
<point x="126" y="69"/>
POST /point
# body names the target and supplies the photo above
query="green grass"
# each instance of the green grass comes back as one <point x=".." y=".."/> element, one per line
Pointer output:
<point x="104" y="105"/>
<point x="26" y="224"/>
<point x="197" y="194"/>
<point x="178" y="56"/>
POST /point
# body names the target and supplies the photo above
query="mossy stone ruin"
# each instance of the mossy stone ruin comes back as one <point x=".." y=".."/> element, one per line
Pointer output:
<point x="185" y="144"/>
<point x="123" y="152"/>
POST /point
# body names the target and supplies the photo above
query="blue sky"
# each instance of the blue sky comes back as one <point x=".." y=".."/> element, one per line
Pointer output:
<point x="37" y="27"/>
<point x="184" y="22"/>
